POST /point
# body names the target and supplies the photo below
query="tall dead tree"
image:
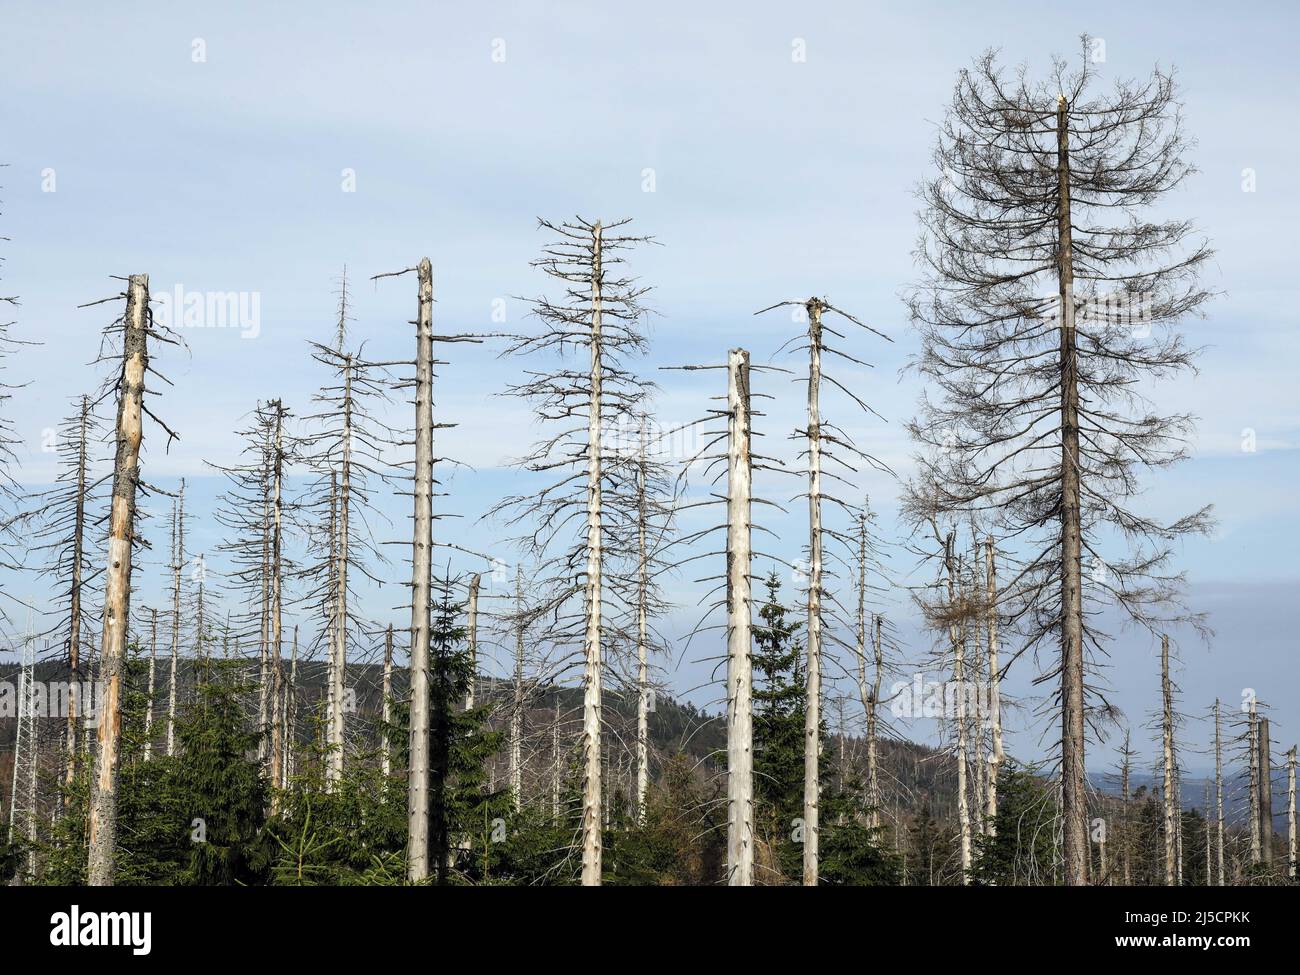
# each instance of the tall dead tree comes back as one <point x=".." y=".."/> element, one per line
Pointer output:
<point x="599" y="312"/>
<point x="471" y="638"/>
<point x="1265" y="794"/>
<point x="178" y="561"/>
<point x="136" y="327"/>
<point x="740" y="631"/>
<point x="1290" y="815"/>
<point x="1218" y="793"/>
<point x="1170" y="791"/>
<point x="819" y="438"/>
<point x="1049" y="296"/>
<point x="1252" y="747"/>
<point x="60" y="517"/>
<point x="417" y="850"/>
<point x="386" y="747"/>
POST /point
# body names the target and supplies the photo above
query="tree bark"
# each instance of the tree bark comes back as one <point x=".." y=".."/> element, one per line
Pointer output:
<point x="117" y="585"/>
<point x="740" y="706"/>
<point x="995" y="686"/>
<point x="277" y="604"/>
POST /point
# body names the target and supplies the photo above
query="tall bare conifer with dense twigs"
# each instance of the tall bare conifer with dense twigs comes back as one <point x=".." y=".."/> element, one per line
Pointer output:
<point x="1050" y="302"/>
<point x="595" y="324"/>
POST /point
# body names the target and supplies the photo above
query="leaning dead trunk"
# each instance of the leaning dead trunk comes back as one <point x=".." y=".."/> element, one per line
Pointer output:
<point x="417" y="848"/>
<point x="740" y="716"/>
<point x="117" y="580"/>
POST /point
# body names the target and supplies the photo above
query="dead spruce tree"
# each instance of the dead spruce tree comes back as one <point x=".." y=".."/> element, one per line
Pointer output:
<point x="1049" y="300"/>
<point x="422" y="480"/>
<point x="67" y="548"/>
<point x="599" y="317"/>
<point x="824" y="442"/>
<point x="345" y="446"/>
<point x="257" y="515"/>
<point x="135" y="328"/>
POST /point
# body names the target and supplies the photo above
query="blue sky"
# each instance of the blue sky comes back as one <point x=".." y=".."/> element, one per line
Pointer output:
<point x="773" y="179"/>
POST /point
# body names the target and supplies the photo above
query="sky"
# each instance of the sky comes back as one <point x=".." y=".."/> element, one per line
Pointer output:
<point x="771" y="150"/>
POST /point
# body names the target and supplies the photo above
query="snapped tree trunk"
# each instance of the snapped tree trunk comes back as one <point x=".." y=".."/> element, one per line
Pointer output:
<point x="995" y="686"/>
<point x="1218" y="791"/>
<point x="740" y="705"/>
<point x="642" y="665"/>
<point x="417" y="842"/>
<point x="117" y="579"/>
<point x="1265" y="795"/>
<point x="386" y="746"/>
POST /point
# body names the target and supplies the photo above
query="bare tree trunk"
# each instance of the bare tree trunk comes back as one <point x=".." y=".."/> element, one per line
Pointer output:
<point x="386" y="747"/>
<point x="1290" y="815"/>
<point x="117" y="585"/>
<point x="153" y="683"/>
<point x="740" y="705"/>
<point x="291" y="713"/>
<point x="1265" y="795"/>
<point x="642" y="667"/>
<point x="339" y="658"/>
<point x="277" y="605"/>
<point x="958" y="639"/>
<point x="1074" y="841"/>
<point x="74" y="601"/>
<point x="555" y="759"/>
<point x="1218" y="791"/>
<point x="995" y="686"/>
<point x="178" y="557"/>
<point x="812" y="707"/>
<point x="1252" y="739"/>
<point x="517" y="712"/>
<point x="1170" y="790"/>
<point x="417" y="851"/>
<point x="471" y="635"/>
<point x="591" y="706"/>
<point x="1126" y="769"/>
